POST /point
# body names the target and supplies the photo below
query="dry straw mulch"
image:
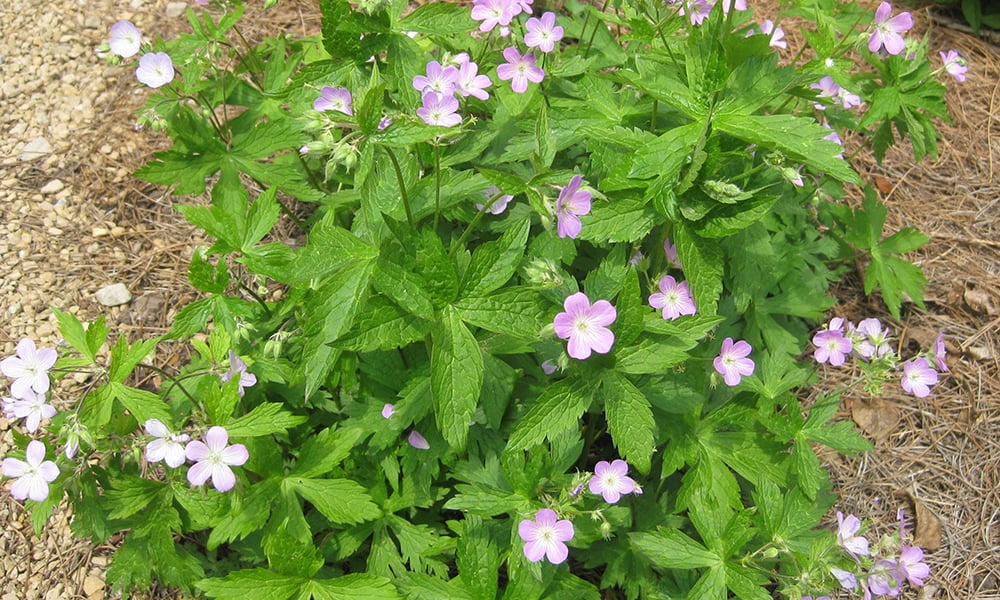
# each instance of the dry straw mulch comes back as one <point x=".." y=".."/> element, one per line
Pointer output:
<point x="937" y="458"/>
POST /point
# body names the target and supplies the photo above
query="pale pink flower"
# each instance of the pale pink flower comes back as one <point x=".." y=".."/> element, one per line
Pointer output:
<point x="831" y="346"/>
<point x="611" y="480"/>
<point x="34" y="474"/>
<point x="732" y="362"/>
<point x="954" y="65"/>
<point x="439" y="110"/>
<point x="848" y="538"/>
<point x="441" y="80"/>
<point x="32" y="408"/>
<point x="125" y="39"/>
<point x="494" y="12"/>
<point x="571" y="203"/>
<point x="500" y="204"/>
<point x="543" y="33"/>
<point x="213" y="457"/>
<point x="674" y="298"/>
<point x="912" y="566"/>
<point x="888" y="29"/>
<point x="940" y="353"/>
<point x="918" y="377"/>
<point x="238" y="368"/>
<point x="546" y="536"/>
<point x="331" y="98"/>
<point x="670" y="250"/>
<point x="29" y="368"/>
<point x="519" y="70"/>
<point x="585" y="326"/>
<point x="697" y="10"/>
<point x="471" y="83"/>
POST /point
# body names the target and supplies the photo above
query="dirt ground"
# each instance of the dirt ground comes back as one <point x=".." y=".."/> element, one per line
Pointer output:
<point x="73" y="221"/>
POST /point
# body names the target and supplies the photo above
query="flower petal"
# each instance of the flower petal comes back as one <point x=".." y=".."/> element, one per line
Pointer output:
<point x="199" y="473"/>
<point x="223" y="478"/>
<point x="217" y="438"/>
<point x="235" y="455"/>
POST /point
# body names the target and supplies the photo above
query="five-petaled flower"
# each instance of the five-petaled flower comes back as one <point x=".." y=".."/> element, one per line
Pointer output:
<point x="168" y="446"/>
<point x="546" y="536"/>
<point x="125" y="39"/>
<point x="954" y="64"/>
<point x="494" y="12"/>
<point x="571" y="203"/>
<point x="674" y="298"/>
<point x="439" y="110"/>
<point x="873" y="339"/>
<point x="912" y="566"/>
<point x="213" y="457"/>
<point x="611" y="480"/>
<point x="29" y="368"/>
<point x="918" y="377"/>
<point x="155" y="69"/>
<point x="519" y="70"/>
<point x="732" y="362"/>
<point x="848" y="538"/>
<point x="471" y="83"/>
<point x="33" y="474"/>
<point x="831" y="345"/>
<point x="238" y="368"/>
<point x="32" y="408"/>
<point x="442" y="80"/>
<point x="888" y="29"/>
<point x="585" y="326"/>
<point x="543" y="33"/>
<point x="331" y="98"/>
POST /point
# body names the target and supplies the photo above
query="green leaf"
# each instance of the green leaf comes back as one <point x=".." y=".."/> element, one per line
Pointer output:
<point x="456" y="377"/>
<point x="402" y="287"/>
<point x="72" y="331"/>
<point x="206" y="277"/>
<point x="332" y="310"/>
<point x="650" y="356"/>
<point x="494" y="263"/>
<point x="128" y="495"/>
<point x="665" y="156"/>
<point x="124" y="358"/>
<point x="630" y="420"/>
<point x="702" y="259"/>
<point x="621" y="220"/>
<point x="745" y="583"/>
<point x="711" y="586"/>
<point x="262" y="216"/>
<point x="259" y="584"/>
<point x="671" y="549"/>
<point x="801" y="139"/>
<point x="221" y="401"/>
<point x="339" y="500"/>
<point x="142" y="404"/>
<point x="382" y="325"/>
<point x="252" y="516"/>
<point x="518" y="312"/>
<point x="265" y="419"/>
<point x="329" y="249"/>
<point x="556" y="411"/>
<point x="288" y="555"/>
<point x="904" y="240"/>
<point x="356" y="586"/>
<point x="323" y="451"/>
<point x="403" y="134"/>
<point x="478" y="558"/>
<point x="436" y="17"/>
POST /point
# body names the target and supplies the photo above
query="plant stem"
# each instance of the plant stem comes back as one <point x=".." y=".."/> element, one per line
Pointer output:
<point x="402" y="186"/>
<point x="437" y="185"/>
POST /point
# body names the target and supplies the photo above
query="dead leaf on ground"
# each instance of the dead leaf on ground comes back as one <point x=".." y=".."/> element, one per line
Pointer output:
<point x="878" y="418"/>
<point x="980" y="301"/>
<point x="928" y="526"/>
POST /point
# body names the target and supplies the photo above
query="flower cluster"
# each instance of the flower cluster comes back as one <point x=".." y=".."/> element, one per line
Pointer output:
<point x="882" y="569"/>
<point x="546" y="535"/>
<point x="869" y="342"/>
<point x="155" y="69"/>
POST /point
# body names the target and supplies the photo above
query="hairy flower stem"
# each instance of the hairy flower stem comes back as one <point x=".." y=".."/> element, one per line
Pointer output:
<point x="252" y="294"/>
<point x="473" y="223"/>
<point x="402" y="185"/>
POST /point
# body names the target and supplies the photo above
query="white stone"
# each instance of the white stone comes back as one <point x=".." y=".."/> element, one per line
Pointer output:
<point x="53" y="187"/>
<point x="176" y="9"/>
<point x="36" y="148"/>
<point x="113" y="295"/>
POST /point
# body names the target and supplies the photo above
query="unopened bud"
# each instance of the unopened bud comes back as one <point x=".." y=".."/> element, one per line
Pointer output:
<point x="605" y="530"/>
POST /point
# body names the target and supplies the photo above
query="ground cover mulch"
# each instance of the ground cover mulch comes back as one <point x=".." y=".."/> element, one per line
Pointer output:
<point x="937" y="458"/>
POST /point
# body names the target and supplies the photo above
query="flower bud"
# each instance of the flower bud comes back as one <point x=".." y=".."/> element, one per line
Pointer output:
<point x="605" y="530"/>
<point x="543" y="272"/>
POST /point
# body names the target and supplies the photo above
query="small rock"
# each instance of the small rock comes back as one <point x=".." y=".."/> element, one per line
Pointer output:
<point x="53" y="187"/>
<point x="92" y="585"/>
<point x="113" y="295"/>
<point x="36" y="148"/>
<point x="176" y="9"/>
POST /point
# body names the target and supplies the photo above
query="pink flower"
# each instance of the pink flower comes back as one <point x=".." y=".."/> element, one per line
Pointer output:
<point x="32" y="408"/>
<point x="831" y="346"/>
<point x="912" y="566"/>
<point x="671" y="251"/>
<point x="954" y="64"/>
<point x="438" y="79"/>
<point x="33" y="474"/>
<point x="918" y="377"/>
<point x="167" y="446"/>
<point x="546" y="536"/>
<point x="586" y="326"/>
<point x="611" y="480"/>
<point x="494" y="12"/>
<point x="847" y="580"/>
<point x="331" y="98"/>
<point x="848" y="538"/>
<point x="940" y="353"/>
<point x="213" y="459"/>
<point x="873" y="339"/>
<point x="543" y="34"/>
<point x="29" y="368"/>
<point x="125" y="39"/>
<point x="519" y="70"/>
<point x="500" y="204"/>
<point x="674" y="298"/>
<point x="439" y="110"/>
<point x="155" y="69"/>
<point x="571" y="203"/>
<point x="884" y="578"/>
<point x="777" y="34"/>
<point x="238" y="367"/>
<point x="732" y="362"/>
<point x="829" y="89"/>
<point x="471" y="83"/>
<point x="887" y="30"/>
<point x="697" y="10"/>
<point x="737" y="4"/>
<point x="418" y="441"/>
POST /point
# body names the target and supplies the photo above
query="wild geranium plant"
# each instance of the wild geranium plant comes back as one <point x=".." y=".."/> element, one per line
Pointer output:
<point x="538" y="334"/>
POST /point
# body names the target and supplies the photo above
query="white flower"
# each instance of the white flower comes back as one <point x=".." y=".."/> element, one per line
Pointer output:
<point x="30" y="368"/>
<point x="167" y="446"/>
<point x="32" y="408"/>
<point x="33" y="475"/>
<point x="155" y="69"/>
<point x="125" y="39"/>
